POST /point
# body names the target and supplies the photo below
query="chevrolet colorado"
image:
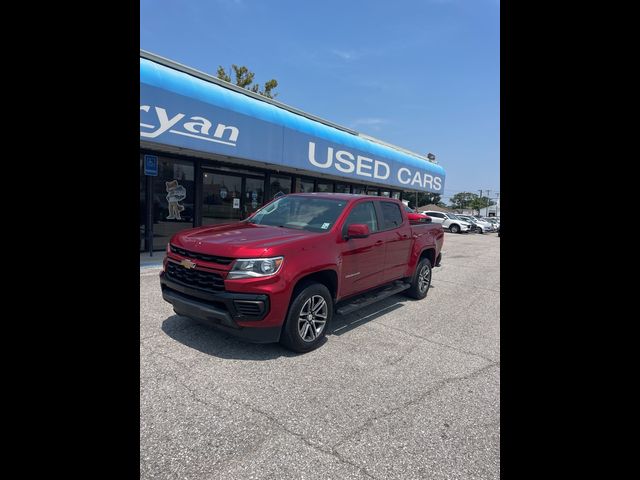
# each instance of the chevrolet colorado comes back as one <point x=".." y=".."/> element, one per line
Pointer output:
<point x="282" y="273"/>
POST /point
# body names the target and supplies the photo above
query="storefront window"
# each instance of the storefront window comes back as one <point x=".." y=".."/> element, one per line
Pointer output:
<point x="173" y="197"/>
<point x="395" y="195"/>
<point x="342" y="188"/>
<point x="359" y="190"/>
<point x="280" y="185"/>
<point x="143" y="204"/>
<point x="304" y="185"/>
<point x="325" y="187"/>
<point x="385" y="193"/>
<point x="372" y="191"/>
<point x="221" y="195"/>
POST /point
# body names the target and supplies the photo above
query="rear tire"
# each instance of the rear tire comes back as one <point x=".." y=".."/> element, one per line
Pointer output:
<point x="454" y="228"/>
<point x="310" y="314"/>
<point x="421" y="280"/>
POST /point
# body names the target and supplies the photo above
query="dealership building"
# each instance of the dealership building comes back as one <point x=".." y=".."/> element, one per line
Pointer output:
<point x="212" y="152"/>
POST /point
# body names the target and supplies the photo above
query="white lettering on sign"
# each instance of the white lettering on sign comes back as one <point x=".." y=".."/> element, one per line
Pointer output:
<point x="376" y="170"/>
<point x="407" y="175"/>
<point x="312" y="156"/>
<point x="203" y="123"/>
<point x="346" y="162"/>
<point x="363" y="166"/>
<point x="197" y="127"/>
<point x="343" y="164"/>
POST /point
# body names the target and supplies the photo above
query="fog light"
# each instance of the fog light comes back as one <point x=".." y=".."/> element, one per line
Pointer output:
<point x="251" y="308"/>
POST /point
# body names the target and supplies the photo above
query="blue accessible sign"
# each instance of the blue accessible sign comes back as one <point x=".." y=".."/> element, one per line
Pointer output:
<point x="151" y="165"/>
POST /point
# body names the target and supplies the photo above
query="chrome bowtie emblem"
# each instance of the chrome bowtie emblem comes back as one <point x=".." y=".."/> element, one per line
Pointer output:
<point x="187" y="263"/>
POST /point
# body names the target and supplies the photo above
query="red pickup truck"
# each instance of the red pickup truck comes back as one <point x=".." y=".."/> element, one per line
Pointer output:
<point x="282" y="273"/>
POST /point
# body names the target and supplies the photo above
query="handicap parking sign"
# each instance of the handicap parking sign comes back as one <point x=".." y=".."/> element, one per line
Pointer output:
<point x="151" y="165"/>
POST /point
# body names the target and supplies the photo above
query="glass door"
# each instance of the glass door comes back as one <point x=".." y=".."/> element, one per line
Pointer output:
<point x="221" y="198"/>
<point x="253" y="196"/>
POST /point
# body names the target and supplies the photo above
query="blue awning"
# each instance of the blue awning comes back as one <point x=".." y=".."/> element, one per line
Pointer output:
<point x="182" y="110"/>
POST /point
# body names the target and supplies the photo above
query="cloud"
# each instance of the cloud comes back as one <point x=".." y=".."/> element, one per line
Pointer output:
<point x="346" y="55"/>
<point x="373" y="123"/>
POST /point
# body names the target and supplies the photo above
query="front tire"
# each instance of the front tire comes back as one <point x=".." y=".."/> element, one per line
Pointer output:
<point x="309" y="315"/>
<point x="454" y="228"/>
<point x="421" y="280"/>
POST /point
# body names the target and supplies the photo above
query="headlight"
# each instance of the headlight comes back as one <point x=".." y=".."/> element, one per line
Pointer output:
<point x="255" y="267"/>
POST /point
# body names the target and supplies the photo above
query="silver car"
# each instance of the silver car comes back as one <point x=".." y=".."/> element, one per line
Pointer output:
<point x="481" y="224"/>
<point x="450" y="221"/>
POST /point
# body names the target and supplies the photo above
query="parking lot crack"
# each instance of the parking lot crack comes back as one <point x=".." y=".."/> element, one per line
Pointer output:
<point x="301" y="437"/>
<point x="437" y="387"/>
<point x="273" y="420"/>
<point x="420" y="337"/>
<point x="464" y="285"/>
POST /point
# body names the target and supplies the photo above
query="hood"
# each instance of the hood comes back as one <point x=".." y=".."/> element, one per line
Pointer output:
<point x="238" y="240"/>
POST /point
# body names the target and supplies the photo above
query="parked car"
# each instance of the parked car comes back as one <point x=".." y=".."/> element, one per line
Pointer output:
<point x="494" y="220"/>
<point x="482" y="225"/>
<point x="280" y="274"/>
<point x="450" y="221"/>
<point x="415" y="216"/>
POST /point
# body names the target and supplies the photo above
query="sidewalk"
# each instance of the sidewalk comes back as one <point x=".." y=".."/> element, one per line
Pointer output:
<point x="147" y="262"/>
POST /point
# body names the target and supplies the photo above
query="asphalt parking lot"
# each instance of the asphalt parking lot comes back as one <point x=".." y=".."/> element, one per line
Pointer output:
<point x="401" y="389"/>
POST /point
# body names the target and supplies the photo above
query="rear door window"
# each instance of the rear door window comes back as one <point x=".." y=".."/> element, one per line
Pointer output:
<point x="391" y="215"/>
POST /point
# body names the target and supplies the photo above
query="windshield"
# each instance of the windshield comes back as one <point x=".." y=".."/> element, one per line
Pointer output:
<point x="300" y="213"/>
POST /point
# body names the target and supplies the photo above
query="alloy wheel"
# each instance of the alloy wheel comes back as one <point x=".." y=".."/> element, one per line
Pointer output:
<point x="312" y="318"/>
<point x="424" y="278"/>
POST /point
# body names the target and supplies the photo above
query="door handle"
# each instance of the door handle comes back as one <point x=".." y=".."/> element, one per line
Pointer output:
<point x="379" y="242"/>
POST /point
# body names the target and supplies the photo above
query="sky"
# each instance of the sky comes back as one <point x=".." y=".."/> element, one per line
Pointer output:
<point x="420" y="74"/>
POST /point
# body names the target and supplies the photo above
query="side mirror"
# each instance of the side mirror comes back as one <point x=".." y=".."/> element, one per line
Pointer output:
<point x="358" y="230"/>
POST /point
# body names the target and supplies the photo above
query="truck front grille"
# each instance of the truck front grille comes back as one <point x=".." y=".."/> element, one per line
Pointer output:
<point x="194" y="278"/>
<point x="201" y="256"/>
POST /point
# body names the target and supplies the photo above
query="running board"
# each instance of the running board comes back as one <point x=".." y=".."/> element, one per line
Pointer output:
<point x="368" y="299"/>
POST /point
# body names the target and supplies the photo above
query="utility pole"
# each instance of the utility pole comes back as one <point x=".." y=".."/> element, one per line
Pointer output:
<point x="487" y="207"/>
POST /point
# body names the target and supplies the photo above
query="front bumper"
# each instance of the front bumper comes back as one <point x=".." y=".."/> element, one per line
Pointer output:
<point x="221" y="310"/>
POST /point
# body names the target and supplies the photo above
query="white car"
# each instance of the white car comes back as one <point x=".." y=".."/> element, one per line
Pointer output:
<point x="494" y="220"/>
<point x="450" y="221"/>
<point x="482" y="225"/>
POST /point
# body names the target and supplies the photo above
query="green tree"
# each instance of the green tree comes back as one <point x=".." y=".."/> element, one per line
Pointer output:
<point x="463" y="200"/>
<point x="481" y="202"/>
<point x="244" y="78"/>
<point x="421" y="199"/>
